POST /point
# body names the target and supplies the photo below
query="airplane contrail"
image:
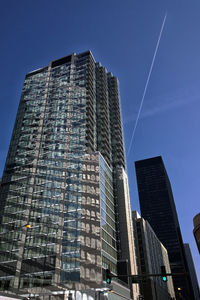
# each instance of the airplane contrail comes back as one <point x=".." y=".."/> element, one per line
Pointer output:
<point x="147" y="82"/>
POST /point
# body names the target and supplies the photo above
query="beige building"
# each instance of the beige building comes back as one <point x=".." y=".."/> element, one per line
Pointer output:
<point x="196" y="230"/>
<point x="151" y="255"/>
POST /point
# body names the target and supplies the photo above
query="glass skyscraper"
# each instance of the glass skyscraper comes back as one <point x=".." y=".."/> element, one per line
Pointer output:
<point x="158" y="208"/>
<point x="65" y="177"/>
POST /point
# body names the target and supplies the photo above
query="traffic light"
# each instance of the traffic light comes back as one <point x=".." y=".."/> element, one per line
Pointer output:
<point x="108" y="276"/>
<point x="163" y="272"/>
<point x="28" y="226"/>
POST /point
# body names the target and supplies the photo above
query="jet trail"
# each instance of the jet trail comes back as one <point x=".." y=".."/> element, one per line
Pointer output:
<point x="147" y="82"/>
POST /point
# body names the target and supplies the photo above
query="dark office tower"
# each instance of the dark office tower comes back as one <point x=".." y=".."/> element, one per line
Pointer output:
<point x="64" y="171"/>
<point x="158" y="208"/>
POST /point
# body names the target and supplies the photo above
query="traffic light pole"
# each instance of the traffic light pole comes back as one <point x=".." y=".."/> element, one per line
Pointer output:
<point x="158" y="275"/>
<point x="149" y="275"/>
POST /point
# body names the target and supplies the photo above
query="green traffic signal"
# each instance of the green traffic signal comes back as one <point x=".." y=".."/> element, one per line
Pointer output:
<point x="108" y="280"/>
<point x="163" y="272"/>
<point x="108" y="276"/>
<point x="164" y="278"/>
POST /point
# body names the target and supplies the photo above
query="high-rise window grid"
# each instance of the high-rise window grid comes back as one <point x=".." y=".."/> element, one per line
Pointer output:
<point x="59" y="179"/>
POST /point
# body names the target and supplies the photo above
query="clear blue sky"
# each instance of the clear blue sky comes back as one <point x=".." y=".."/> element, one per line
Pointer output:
<point x="122" y="35"/>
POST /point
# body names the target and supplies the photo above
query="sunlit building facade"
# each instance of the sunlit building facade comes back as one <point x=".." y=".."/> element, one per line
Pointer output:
<point x="192" y="271"/>
<point x="151" y="255"/>
<point x="196" y="230"/>
<point x="63" y="175"/>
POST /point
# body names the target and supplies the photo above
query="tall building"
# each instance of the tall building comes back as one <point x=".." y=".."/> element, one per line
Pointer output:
<point x="192" y="271"/>
<point x="196" y="230"/>
<point x="65" y="177"/>
<point x="151" y="255"/>
<point x="158" y="208"/>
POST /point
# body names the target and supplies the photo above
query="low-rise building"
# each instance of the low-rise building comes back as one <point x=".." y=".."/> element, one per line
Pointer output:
<point x="151" y="255"/>
<point x="192" y="271"/>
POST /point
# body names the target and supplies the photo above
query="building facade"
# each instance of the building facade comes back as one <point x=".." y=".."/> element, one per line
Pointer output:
<point x="192" y="271"/>
<point x="61" y="177"/>
<point x="151" y="255"/>
<point x="196" y="230"/>
<point x="158" y="208"/>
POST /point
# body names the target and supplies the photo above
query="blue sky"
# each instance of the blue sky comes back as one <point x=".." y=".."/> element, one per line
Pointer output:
<point x="122" y="35"/>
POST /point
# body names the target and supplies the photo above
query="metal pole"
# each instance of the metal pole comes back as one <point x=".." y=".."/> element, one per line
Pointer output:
<point x="155" y="290"/>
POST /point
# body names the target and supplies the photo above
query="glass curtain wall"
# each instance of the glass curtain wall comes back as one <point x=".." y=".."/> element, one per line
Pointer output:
<point x="68" y="111"/>
<point x="43" y="175"/>
<point x="108" y="221"/>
